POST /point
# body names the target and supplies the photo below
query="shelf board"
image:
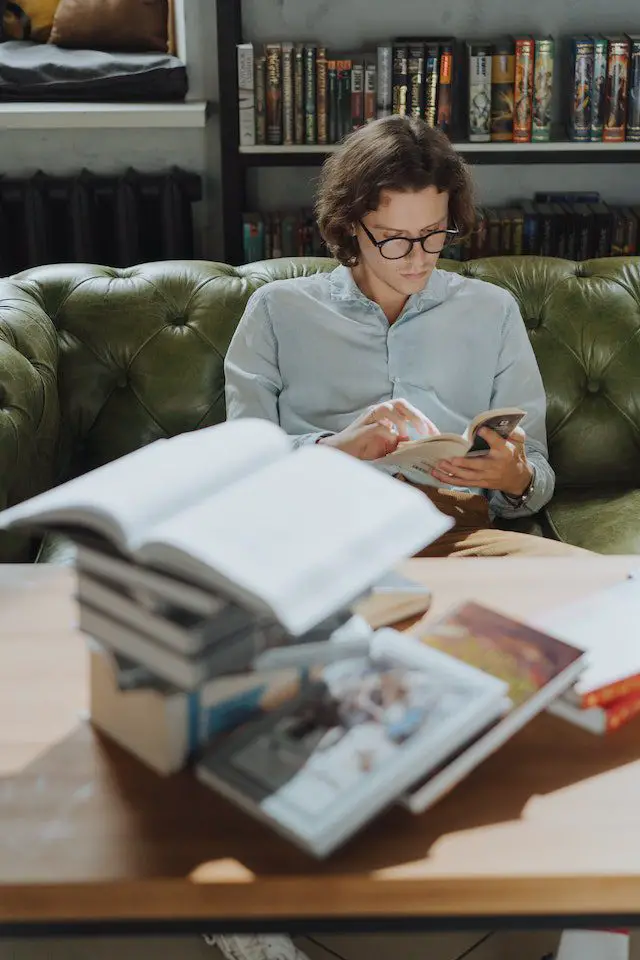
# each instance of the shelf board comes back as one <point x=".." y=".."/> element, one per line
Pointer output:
<point x="554" y="151"/>
<point x="92" y="116"/>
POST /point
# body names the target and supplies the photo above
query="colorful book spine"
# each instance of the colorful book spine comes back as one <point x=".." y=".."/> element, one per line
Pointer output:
<point x="581" y="79"/>
<point x="544" y="60"/>
<point x="332" y="96"/>
<point x="400" y="81"/>
<point x="415" y="78"/>
<point x="246" y="99"/>
<point x="273" y="53"/>
<point x="599" y="83"/>
<point x="633" y="100"/>
<point x="502" y="90"/>
<point x="385" y="81"/>
<point x="523" y="89"/>
<point x="252" y="237"/>
<point x="615" y="98"/>
<point x="322" y="104"/>
<point x="479" y="102"/>
<point x="445" y="89"/>
<point x="370" y="92"/>
<point x="431" y="76"/>
<point x="310" y="127"/>
<point x="260" y="95"/>
<point x="357" y="95"/>
<point x="288" y="102"/>
<point x="298" y="94"/>
<point x="614" y="691"/>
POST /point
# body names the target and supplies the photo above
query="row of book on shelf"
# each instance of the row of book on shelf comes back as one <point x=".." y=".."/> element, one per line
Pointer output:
<point x="575" y="226"/>
<point x="243" y="624"/>
<point x="494" y="90"/>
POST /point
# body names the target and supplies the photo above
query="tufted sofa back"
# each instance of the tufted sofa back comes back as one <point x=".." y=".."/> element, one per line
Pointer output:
<point x="95" y="361"/>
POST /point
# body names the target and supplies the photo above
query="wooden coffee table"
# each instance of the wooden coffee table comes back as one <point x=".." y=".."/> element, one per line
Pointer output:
<point x="546" y="832"/>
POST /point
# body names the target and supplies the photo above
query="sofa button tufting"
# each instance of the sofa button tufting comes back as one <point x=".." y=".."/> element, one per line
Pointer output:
<point x="533" y="323"/>
<point x="180" y="321"/>
<point x="593" y="386"/>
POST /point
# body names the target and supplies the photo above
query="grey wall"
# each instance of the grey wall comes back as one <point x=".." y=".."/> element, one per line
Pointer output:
<point x="352" y="24"/>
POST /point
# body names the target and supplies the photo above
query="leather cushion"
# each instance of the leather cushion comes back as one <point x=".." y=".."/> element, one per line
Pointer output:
<point x="603" y="520"/>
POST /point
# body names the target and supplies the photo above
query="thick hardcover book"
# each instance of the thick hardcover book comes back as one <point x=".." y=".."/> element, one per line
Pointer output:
<point x="332" y="101"/>
<point x="630" y="232"/>
<point x="431" y="81"/>
<point x="530" y="228"/>
<point x="400" y="80"/>
<point x="479" y="96"/>
<point x="523" y="89"/>
<point x="502" y="89"/>
<point x="415" y="80"/>
<point x="585" y="231"/>
<point x="288" y="101"/>
<point x="273" y="53"/>
<point x="385" y="80"/>
<point x="602" y="225"/>
<point x="370" y="92"/>
<point x="298" y="94"/>
<point x="633" y="102"/>
<point x="322" y="96"/>
<point x="246" y="103"/>
<point x="615" y="99"/>
<point x="543" y="70"/>
<point x="580" y="86"/>
<point x="344" y="98"/>
<point x="598" y="88"/>
<point x="261" y="97"/>
<point x="357" y="95"/>
<point x="310" y="126"/>
<point x="444" y="116"/>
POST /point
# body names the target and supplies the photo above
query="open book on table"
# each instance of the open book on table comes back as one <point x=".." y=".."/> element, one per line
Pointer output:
<point x="423" y="454"/>
<point x="295" y="535"/>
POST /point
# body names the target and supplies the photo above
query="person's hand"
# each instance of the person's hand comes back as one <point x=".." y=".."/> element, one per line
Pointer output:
<point x="505" y="467"/>
<point x="380" y="429"/>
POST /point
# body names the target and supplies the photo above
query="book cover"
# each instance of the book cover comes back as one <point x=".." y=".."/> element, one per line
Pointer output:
<point x="332" y="101"/>
<point x="445" y="88"/>
<point x="322" y="105"/>
<point x="385" y="80"/>
<point x="633" y="104"/>
<point x="536" y="667"/>
<point x="502" y="90"/>
<point x="260" y="84"/>
<point x="580" y="86"/>
<point x="543" y="68"/>
<point x="415" y="80"/>
<point x="479" y="97"/>
<point x="431" y="81"/>
<point x="370" y="91"/>
<point x="600" y="52"/>
<point x="344" y="98"/>
<point x="246" y="105"/>
<point x="523" y="89"/>
<point x="287" y="94"/>
<point x="599" y="720"/>
<point x="310" y="127"/>
<point x="615" y="99"/>
<point x="400" y="80"/>
<point x="357" y="96"/>
<point x="273" y="53"/>
<point x="298" y="94"/>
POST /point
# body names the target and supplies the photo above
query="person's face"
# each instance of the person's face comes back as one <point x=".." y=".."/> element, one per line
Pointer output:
<point x="411" y="214"/>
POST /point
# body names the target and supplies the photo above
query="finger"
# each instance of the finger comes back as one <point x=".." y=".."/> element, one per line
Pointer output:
<point x="518" y="436"/>
<point x="385" y="432"/>
<point x="416" y="418"/>
<point x="388" y="412"/>
<point x="473" y="464"/>
<point x="465" y="475"/>
<point x="495" y="441"/>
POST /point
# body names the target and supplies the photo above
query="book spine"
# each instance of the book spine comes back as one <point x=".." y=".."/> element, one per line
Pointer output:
<point x="617" y="232"/>
<point x="260" y="93"/>
<point x="622" y="711"/>
<point x="357" y="95"/>
<point x="615" y="100"/>
<point x="246" y="95"/>
<point x="298" y="94"/>
<point x="445" y="89"/>
<point x="287" y="94"/>
<point x="273" y="52"/>
<point x="598" y="87"/>
<point x="400" y="81"/>
<point x="523" y="90"/>
<point x="580" y="89"/>
<point x="345" y="105"/>
<point x="431" y="74"/>
<point x="310" y="127"/>
<point x="322" y="96"/>
<point x="633" y="100"/>
<point x="614" y="691"/>
<point x="275" y="223"/>
<point x="252" y="237"/>
<point x="385" y="81"/>
<point x="630" y="233"/>
<point x="370" y="92"/>
<point x="542" y="90"/>
<point x="332" y="96"/>
<point x="502" y="91"/>
<point x="479" y="112"/>
<point x="517" y="229"/>
<point x="415" y="77"/>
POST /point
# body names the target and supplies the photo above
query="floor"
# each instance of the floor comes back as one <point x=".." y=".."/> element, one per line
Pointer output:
<point x="506" y="946"/>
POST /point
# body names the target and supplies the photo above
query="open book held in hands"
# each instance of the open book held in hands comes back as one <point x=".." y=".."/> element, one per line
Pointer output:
<point x="423" y="454"/>
<point x="291" y="534"/>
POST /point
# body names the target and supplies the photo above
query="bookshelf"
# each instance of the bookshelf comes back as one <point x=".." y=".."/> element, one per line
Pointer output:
<point x="236" y="160"/>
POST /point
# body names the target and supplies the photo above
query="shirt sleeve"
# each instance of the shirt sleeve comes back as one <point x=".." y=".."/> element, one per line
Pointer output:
<point x="252" y="376"/>
<point x="518" y="383"/>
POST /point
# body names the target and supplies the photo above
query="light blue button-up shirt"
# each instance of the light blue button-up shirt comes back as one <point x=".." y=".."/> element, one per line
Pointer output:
<point x="313" y="353"/>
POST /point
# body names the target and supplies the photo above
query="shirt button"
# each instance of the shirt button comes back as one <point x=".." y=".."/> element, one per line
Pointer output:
<point x="395" y="379"/>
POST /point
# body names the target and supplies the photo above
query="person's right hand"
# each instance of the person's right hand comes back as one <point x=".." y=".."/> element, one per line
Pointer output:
<point x="380" y="429"/>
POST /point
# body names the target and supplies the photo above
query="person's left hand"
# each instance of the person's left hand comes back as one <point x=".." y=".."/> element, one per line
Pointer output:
<point x="505" y="467"/>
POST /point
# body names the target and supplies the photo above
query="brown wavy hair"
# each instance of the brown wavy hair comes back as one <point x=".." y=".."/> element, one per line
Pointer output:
<point x="393" y="153"/>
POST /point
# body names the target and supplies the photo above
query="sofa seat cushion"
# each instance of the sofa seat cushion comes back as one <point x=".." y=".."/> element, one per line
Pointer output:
<point x="606" y="521"/>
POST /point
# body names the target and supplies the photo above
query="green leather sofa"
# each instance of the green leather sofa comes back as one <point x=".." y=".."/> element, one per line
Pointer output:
<point x="95" y="362"/>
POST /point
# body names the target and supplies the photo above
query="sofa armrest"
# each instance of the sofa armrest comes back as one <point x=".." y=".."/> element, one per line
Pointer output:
<point x="29" y="409"/>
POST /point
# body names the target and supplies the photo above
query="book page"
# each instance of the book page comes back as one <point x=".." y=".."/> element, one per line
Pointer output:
<point x="299" y="538"/>
<point x="124" y="499"/>
<point x="425" y="453"/>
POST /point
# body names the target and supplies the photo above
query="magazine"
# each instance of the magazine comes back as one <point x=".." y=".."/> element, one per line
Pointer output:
<point x="351" y="736"/>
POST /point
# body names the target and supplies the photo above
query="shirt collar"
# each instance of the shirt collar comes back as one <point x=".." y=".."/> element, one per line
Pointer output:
<point x="344" y="287"/>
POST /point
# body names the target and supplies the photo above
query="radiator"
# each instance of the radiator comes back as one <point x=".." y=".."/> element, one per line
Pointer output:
<point x="116" y="221"/>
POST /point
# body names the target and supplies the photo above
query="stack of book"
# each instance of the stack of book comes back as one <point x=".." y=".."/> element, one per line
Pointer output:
<point x="236" y="595"/>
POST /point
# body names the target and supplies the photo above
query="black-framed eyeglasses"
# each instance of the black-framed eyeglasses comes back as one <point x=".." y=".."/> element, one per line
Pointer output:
<point x="395" y="248"/>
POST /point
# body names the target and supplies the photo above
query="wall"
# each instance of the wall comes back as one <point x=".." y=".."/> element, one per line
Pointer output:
<point x="351" y="24"/>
